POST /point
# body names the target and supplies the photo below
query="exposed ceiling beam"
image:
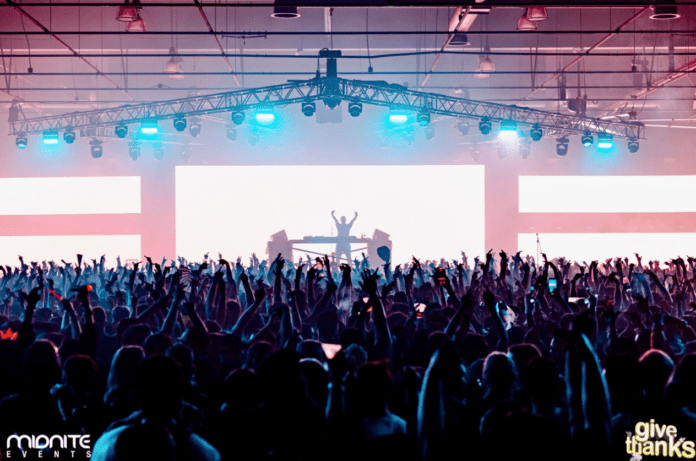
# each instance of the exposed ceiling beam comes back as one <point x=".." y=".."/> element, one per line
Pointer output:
<point x="683" y="71"/>
<point x="212" y="32"/>
<point x="586" y="53"/>
<point x="68" y="47"/>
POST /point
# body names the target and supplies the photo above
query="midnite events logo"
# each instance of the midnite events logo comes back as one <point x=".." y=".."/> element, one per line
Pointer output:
<point x="44" y="446"/>
<point x="657" y="440"/>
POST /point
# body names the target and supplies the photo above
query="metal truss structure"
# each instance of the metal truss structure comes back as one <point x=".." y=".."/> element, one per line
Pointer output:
<point x="331" y="90"/>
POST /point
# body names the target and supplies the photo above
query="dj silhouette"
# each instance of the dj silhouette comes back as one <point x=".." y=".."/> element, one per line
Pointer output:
<point x="343" y="234"/>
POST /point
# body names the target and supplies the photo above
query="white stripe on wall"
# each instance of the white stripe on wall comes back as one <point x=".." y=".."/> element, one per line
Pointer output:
<point x="56" y="247"/>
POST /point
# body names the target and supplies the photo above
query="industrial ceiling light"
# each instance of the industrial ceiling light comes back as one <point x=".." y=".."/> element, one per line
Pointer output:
<point x="50" y="137"/>
<point x="485" y="126"/>
<point x="149" y="127"/>
<point x="459" y="39"/>
<point x="134" y="150"/>
<point x="605" y="141"/>
<point x="308" y="108"/>
<point x="283" y="10"/>
<point x="423" y="118"/>
<point x="537" y="13"/>
<point x="535" y="133"/>
<point x="562" y="146"/>
<point x="525" y="24"/>
<point x="128" y="12"/>
<point x="667" y="10"/>
<point x="398" y="118"/>
<point x="355" y="109"/>
<point x="231" y="132"/>
<point x="587" y="139"/>
<point x="179" y="123"/>
<point x="195" y="126"/>
<point x="172" y="66"/>
<point x="463" y="128"/>
<point x="136" y="26"/>
<point x="95" y="146"/>
<point x="633" y="145"/>
<point x="21" y="141"/>
<point x="121" y="130"/>
<point x="238" y="117"/>
<point x="69" y="136"/>
<point x="485" y="66"/>
<point x="265" y="117"/>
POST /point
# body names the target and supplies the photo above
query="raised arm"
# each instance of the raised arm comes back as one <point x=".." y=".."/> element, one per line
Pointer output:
<point x="354" y="218"/>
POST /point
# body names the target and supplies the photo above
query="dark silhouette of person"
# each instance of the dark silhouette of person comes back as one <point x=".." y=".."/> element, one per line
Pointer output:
<point x="342" y="236"/>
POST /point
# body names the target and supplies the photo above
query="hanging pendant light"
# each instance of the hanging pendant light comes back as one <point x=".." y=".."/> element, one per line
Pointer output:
<point x="128" y="12"/>
<point x="537" y="13"/>
<point x="525" y="24"/>
<point x="172" y="66"/>
<point x="136" y="26"/>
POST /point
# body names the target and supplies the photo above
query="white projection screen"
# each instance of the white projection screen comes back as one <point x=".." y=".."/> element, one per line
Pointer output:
<point x="428" y="211"/>
<point x="70" y="195"/>
<point x="600" y="246"/>
<point x="57" y="247"/>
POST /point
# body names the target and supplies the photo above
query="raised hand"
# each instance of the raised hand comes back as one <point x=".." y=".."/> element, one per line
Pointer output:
<point x="368" y="284"/>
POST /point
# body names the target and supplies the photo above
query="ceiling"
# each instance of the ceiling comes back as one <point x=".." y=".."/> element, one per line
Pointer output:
<point x="526" y="63"/>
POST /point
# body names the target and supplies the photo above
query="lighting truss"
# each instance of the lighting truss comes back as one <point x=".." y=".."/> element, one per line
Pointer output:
<point x="330" y="88"/>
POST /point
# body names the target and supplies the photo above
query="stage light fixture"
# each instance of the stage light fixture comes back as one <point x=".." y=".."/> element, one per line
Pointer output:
<point x="633" y="145"/>
<point x="238" y="117"/>
<point x="21" y="141"/>
<point x="96" y="149"/>
<point x="179" y="123"/>
<point x="285" y="12"/>
<point x="69" y="136"/>
<point x="265" y="117"/>
<point x="398" y="118"/>
<point x="463" y="128"/>
<point x="121" y="130"/>
<point x="562" y="146"/>
<point x="423" y="118"/>
<point x="536" y="133"/>
<point x="308" y="108"/>
<point x="173" y="66"/>
<point x="134" y="150"/>
<point x="587" y="139"/>
<point x="149" y="127"/>
<point x="50" y="137"/>
<point x="231" y="133"/>
<point x="525" y="148"/>
<point x="605" y="141"/>
<point x="485" y="126"/>
<point x="355" y="109"/>
<point x="429" y="132"/>
<point x="195" y="126"/>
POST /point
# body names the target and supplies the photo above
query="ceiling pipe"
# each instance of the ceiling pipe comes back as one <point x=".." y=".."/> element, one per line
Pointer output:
<point x="592" y="48"/>
<point x="75" y="53"/>
<point x="217" y="41"/>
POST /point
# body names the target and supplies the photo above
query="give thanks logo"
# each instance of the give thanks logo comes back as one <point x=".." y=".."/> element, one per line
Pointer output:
<point x="653" y="439"/>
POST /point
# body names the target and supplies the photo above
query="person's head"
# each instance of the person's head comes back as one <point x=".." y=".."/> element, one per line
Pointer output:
<point x="310" y="348"/>
<point x="122" y="372"/>
<point x="41" y="368"/>
<point x="145" y="442"/>
<point x="80" y="373"/>
<point x="257" y="354"/>
<point x="317" y="379"/>
<point x="241" y="389"/>
<point x="343" y="219"/>
<point x="280" y="376"/>
<point x="373" y="385"/>
<point x="159" y="387"/>
<point x="157" y="344"/>
<point x="184" y="356"/>
<point x="498" y="373"/>
<point x="135" y="335"/>
<point x="656" y="367"/>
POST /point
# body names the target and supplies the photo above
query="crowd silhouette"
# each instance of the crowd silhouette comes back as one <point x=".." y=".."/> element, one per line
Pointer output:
<point x="432" y="360"/>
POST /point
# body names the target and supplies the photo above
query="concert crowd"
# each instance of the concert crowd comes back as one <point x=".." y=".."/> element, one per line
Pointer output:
<point x="495" y="359"/>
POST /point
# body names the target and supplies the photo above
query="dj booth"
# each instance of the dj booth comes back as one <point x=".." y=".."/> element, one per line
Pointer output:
<point x="280" y="243"/>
